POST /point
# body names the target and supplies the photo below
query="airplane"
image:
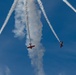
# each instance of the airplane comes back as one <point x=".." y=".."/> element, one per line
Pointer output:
<point x="61" y="44"/>
<point x="31" y="46"/>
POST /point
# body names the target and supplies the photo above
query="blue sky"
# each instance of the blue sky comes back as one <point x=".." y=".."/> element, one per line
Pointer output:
<point x="13" y="53"/>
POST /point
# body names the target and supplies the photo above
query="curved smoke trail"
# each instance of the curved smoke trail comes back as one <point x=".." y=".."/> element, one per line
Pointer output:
<point x="42" y="8"/>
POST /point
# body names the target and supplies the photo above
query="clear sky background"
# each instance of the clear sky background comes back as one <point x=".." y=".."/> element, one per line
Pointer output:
<point x="14" y="59"/>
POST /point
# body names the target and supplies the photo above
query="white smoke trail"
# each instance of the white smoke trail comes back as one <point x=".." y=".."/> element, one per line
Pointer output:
<point x="35" y="27"/>
<point x="20" y="19"/>
<point x="42" y="8"/>
<point x="8" y="16"/>
<point x="70" y="5"/>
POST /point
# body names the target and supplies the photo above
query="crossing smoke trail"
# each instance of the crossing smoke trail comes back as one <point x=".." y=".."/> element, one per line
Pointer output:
<point x="42" y="8"/>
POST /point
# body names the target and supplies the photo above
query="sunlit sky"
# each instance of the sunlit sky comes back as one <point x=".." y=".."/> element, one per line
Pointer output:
<point x="14" y="59"/>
